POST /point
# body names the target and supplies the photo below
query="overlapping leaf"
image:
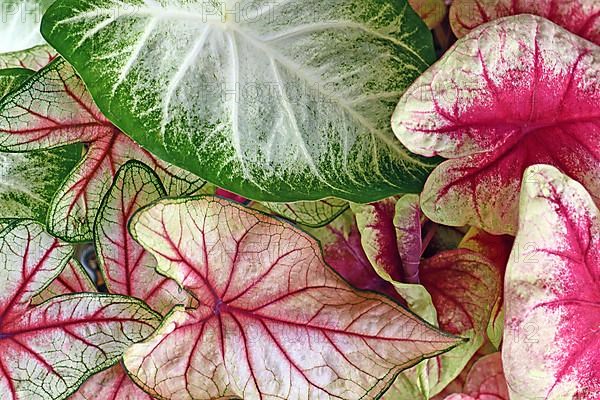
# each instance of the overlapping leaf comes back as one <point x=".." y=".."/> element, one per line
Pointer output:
<point x="72" y="279"/>
<point x="497" y="250"/>
<point x="273" y="321"/>
<point x="127" y="267"/>
<point x="463" y="287"/>
<point x="485" y="381"/>
<point x="53" y="109"/>
<point x="581" y="17"/>
<point x="512" y="93"/>
<point x="46" y="351"/>
<point x="432" y="12"/>
<point x="275" y="101"/>
<point x="313" y="214"/>
<point x="551" y="339"/>
<point x="28" y="181"/>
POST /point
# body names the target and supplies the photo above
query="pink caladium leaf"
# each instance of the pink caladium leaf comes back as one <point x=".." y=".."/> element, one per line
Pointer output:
<point x="432" y="12"/>
<point x="52" y="109"/>
<point x="512" y="93"/>
<point x="72" y="279"/>
<point x="407" y="224"/>
<point x="274" y="321"/>
<point x="46" y="351"/>
<point x="33" y="58"/>
<point x="581" y="17"/>
<point x="343" y="251"/>
<point x="551" y="338"/>
<point x="126" y="266"/>
<point x="463" y="287"/>
<point x="497" y="249"/>
<point x="485" y="381"/>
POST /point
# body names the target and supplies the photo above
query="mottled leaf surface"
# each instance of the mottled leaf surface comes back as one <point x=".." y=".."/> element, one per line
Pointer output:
<point x="274" y="101"/>
<point x="273" y="321"/>
<point x="46" y="351"/>
<point x="485" y="381"/>
<point x="513" y="93"/>
<point x="581" y="17"/>
<point x="551" y="292"/>
<point x="53" y="109"/>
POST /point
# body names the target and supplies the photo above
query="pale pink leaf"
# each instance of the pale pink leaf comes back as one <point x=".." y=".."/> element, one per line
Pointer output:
<point x="407" y="222"/>
<point x="551" y="338"/>
<point x="33" y="58"/>
<point x="516" y="92"/>
<point x="127" y="268"/>
<point x="581" y="17"/>
<point x="273" y="321"/>
<point x="48" y="350"/>
<point x="72" y="279"/>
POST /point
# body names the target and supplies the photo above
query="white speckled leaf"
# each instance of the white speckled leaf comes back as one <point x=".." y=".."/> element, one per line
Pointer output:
<point x="274" y="321"/>
<point x="274" y="101"/>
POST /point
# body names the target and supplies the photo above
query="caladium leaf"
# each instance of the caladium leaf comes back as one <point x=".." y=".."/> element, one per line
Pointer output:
<point x="432" y="12"/>
<point x="463" y="286"/>
<point x="313" y="214"/>
<point x="46" y="351"/>
<point x="494" y="109"/>
<point x="34" y="58"/>
<point x="52" y="109"/>
<point x="343" y="251"/>
<point x="126" y="266"/>
<point x="28" y="181"/>
<point x="551" y="291"/>
<point x="72" y="279"/>
<point x="391" y="237"/>
<point x="273" y="321"/>
<point x="242" y="97"/>
<point x="112" y="384"/>
<point x="581" y="17"/>
<point x="485" y="381"/>
<point x="495" y="248"/>
<point x="11" y="78"/>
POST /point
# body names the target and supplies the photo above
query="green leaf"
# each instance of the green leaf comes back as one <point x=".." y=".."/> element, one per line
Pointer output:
<point x="28" y="181"/>
<point x="274" y="101"/>
<point x="313" y="214"/>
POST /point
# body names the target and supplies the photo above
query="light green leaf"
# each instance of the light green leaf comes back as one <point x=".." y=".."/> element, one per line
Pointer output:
<point x="313" y="214"/>
<point x="275" y="101"/>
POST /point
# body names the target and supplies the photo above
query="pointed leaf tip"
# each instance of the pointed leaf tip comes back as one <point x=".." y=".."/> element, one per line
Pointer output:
<point x="273" y="318"/>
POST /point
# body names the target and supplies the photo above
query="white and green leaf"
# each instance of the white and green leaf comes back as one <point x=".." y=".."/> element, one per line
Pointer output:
<point x="275" y="101"/>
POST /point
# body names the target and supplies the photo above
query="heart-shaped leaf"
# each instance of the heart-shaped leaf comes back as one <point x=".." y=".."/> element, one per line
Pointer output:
<point x="513" y="93"/>
<point x="52" y="109"/>
<point x="485" y="381"/>
<point x="551" y="291"/>
<point x="432" y="12"/>
<point x="280" y="101"/>
<point x="273" y="320"/>
<point x="581" y="17"/>
<point x="126" y="266"/>
<point x="46" y="351"/>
